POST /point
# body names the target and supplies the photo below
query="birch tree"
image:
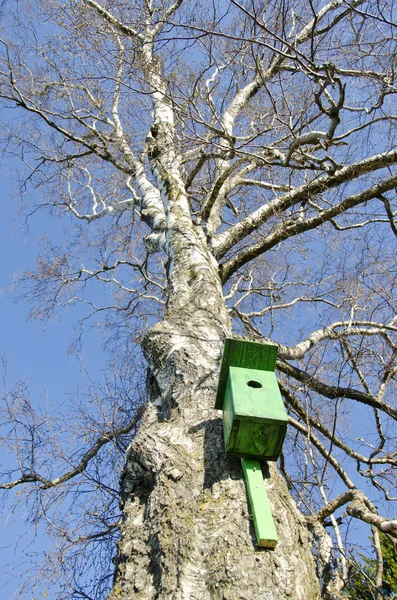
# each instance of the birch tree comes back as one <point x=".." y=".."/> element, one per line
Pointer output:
<point x="224" y="168"/>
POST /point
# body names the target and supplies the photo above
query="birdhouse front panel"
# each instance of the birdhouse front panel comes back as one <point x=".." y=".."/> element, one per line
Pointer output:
<point x="254" y="417"/>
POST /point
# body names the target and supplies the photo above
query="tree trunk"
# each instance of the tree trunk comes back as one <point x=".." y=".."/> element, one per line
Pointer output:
<point x="187" y="532"/>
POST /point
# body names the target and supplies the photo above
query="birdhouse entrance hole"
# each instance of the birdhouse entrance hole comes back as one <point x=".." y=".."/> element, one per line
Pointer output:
<point x="254" y="384"/>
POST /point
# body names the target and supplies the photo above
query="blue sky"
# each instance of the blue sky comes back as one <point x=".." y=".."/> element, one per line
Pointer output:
<point x="38" y="353"/>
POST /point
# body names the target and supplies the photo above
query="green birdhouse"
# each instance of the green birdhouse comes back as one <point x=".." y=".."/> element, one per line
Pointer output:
<point x="254" y="417"/>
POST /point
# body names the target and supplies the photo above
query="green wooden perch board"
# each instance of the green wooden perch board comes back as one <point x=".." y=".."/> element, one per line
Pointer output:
<point x="265" y="529"/>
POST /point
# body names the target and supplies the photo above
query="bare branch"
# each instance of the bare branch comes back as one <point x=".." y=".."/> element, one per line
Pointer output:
<point x="224" y="241"/>
<point x="102" y="440"/>
<point x="290" y="227"/>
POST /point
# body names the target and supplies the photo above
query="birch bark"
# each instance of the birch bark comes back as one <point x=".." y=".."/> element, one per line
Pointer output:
<point x="187" y="532"/>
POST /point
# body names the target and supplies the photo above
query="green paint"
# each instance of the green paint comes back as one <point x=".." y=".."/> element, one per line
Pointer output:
<point x="265" y="529"/>
<point x="254" y="421"/>
<point x="249" y="355"/>
<point x="254" y="417"/>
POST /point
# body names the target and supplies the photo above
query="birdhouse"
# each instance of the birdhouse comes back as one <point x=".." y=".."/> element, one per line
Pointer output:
<point x="254" y="417"/>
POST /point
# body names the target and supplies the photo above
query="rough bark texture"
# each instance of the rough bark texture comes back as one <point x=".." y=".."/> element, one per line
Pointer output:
<point x="187" y="531"/>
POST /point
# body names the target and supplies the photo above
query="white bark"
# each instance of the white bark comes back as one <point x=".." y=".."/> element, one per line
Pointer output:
<point x="187" y="531"/>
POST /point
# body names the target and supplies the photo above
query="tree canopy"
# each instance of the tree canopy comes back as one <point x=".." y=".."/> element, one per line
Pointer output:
<point x="363" y="581"/>
<point x="197" y="151"/>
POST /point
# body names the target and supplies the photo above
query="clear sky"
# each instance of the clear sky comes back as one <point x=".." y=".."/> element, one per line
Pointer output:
<point x="37" y="352"/>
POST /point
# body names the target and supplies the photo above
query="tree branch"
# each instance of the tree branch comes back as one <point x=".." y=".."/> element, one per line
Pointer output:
<point x="224" y="241"/>
<point x="290" y="227"/>
<point x="102" y="440"/>
<point x="333" y="391"/>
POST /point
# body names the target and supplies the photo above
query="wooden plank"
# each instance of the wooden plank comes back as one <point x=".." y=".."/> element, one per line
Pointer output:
<point x="254" y="417"/>
<point x="248" y="355"/>
<point x="265" y="528"/>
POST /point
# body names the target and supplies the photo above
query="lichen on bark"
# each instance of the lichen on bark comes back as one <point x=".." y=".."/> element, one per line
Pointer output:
<point x="187" y="532"/>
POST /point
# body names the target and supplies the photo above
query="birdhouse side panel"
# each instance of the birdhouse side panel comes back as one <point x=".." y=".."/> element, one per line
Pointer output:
<point x="230" y="426"/>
